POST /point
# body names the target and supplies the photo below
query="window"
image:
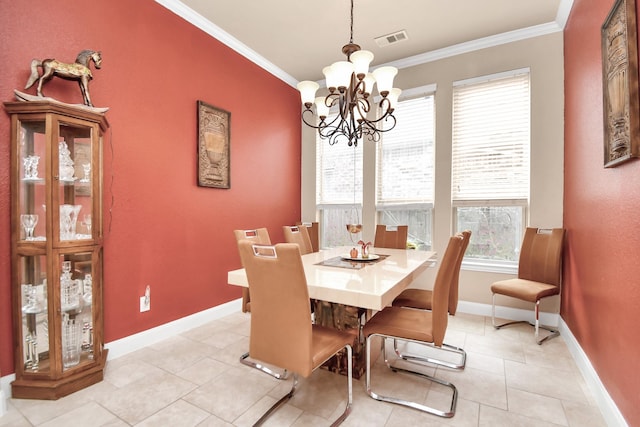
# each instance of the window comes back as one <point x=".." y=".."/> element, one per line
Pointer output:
<point x="490" y="165"/>
<point x="405" y="171"/>
<point x="338" y="190"/>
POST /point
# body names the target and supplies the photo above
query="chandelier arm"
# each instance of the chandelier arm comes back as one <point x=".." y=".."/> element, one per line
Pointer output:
<point x="322" y="125"/>
<point x="360" y="88"/>
<point x="308" y="111"/>
<point x="363" y="106"/>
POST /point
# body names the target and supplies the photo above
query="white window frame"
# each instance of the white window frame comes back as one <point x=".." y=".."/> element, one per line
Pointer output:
<point x="485" y="264"/>
<point x="411" y="204"/>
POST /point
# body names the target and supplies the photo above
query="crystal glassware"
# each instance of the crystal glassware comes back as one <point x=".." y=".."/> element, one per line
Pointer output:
<point x="30" y="310"/>
<point x="86" y="220"/>
<point x="69" y="290"/>
<point x="29" y="222"/>
<point x="31" y="167"/>
<point x="71" y="340"/>
<point x="86" y="167"/>
<point x="65" y="162"/>
<point x="68" y="221"/>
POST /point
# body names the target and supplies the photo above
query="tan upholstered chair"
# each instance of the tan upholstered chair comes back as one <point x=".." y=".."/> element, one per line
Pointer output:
<point x="313" y="230"/>
<point x="421" y="299"/>
<point x="417" y="326"/>
<point x="281" y="330"/>
<point x="259" y="235"/>
<point x="539" y="275"/>
<point x="390" y="236"/>
<point x="298" y="235"/>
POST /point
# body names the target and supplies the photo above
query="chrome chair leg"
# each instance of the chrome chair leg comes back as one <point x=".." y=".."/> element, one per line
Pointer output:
<point x="445" y="414"/>
<point x="347" y="409"/>
<point x="445" y="347"/>
<point x="279" y="376"/>
<point x="536" y="325"/>
<point x="286" y="397"/>
<point x="279" y="403"/>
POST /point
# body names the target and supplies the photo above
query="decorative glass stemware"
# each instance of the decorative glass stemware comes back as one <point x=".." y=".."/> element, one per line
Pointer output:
<point x="86" y="220"/>
<point x="29" y="222"/>
<point x="86" y="167"/>
<point x="31" y="167"/>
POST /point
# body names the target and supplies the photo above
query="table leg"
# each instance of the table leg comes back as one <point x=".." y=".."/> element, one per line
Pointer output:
<point x="344" y="318"/>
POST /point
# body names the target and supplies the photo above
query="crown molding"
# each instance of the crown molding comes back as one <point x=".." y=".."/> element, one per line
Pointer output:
<point x="218" y="33"/>
<point x="478" y="44"/>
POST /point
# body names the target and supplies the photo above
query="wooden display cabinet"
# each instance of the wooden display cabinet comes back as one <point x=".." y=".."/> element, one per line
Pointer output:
<point x="56" y="248"/>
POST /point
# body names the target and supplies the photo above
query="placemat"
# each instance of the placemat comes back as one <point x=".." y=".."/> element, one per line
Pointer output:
<point x="353" y="265"/>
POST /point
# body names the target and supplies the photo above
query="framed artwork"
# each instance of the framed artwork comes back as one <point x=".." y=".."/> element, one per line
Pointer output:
<point x="620" y="84"/>
<point x="214" y="146"/>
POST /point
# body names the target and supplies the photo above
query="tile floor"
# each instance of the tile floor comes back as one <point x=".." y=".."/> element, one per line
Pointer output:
<point x="195" y="379"/>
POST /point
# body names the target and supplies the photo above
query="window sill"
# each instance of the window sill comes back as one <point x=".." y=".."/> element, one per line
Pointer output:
<point x="490" y="267"/>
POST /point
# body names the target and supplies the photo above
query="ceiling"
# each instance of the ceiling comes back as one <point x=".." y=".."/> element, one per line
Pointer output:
<point x="295" y="39"/>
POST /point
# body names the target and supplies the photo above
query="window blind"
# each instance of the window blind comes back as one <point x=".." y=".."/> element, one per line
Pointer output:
<point x="491" y="139"/>
<point x="405" y="160"/>
<point x="338" y="172"/>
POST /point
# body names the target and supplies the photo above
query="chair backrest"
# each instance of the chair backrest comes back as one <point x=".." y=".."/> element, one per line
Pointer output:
<point x="313" y="230"/>
<point x="280" y="312"/>
<point x="299" y="235"/>
<point x="541" y="255"/>
<point x="392" y="237"/>
<point x="453" y="290"/>
<point x="259" y="235"/>
<point x="440" y="295"/>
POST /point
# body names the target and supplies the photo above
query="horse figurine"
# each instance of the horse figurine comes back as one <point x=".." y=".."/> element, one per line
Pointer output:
<point x="78" y="71"/>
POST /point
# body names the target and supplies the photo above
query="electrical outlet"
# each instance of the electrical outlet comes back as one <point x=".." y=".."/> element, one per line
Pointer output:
<point x="145" y="301"/>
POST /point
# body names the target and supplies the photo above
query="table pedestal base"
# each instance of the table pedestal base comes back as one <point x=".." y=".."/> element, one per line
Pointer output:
<point x="344" y="318"/>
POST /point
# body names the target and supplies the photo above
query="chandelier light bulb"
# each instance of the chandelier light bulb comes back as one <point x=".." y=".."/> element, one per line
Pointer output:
<point x="393" y="96"/>
<point x="330" y="77"/>
<point x="384" y="79"/>
<point x="308" y="91"/>
<point x="361" y="60"/>
<point x="343" y="71"/>
<point x="321" y="108"/>
<point x="369" y="83"/>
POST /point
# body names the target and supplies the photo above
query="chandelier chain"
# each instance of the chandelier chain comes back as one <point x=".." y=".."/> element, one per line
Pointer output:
<point x="351" y="39"/>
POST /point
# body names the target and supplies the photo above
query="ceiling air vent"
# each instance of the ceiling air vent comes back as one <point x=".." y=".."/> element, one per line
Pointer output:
<point x="391" y="38"/>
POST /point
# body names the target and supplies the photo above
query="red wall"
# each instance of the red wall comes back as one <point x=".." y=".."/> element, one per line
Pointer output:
<point x="601" y="292"/>
<point x="160" y="228"/>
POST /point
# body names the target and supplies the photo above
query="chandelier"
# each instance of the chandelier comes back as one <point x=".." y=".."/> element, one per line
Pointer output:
<point x="350" y="86"/>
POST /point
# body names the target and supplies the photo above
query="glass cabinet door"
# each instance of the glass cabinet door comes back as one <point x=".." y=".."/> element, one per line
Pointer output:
<point x="33" y="303"/>
<point x="74" y="178"/>
<point x="76" y="305"/>
<point x="32" y="192"/>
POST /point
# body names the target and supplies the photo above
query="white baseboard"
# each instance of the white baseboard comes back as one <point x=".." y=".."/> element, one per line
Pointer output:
<point x="508" y="313"/>
<point x="606" y="405"/>
<point x="5" y="391"/>
<point x="3" y="404"/>
<point x="151" y="336"/>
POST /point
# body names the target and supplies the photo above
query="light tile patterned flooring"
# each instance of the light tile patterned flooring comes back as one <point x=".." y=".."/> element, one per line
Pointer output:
<point x="195" y="379"/>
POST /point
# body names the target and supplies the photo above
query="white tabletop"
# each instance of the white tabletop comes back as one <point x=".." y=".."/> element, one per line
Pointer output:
<point x="374" y="286"/>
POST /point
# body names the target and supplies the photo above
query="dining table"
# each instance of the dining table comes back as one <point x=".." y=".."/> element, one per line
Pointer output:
<point x="346" y="291"/>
